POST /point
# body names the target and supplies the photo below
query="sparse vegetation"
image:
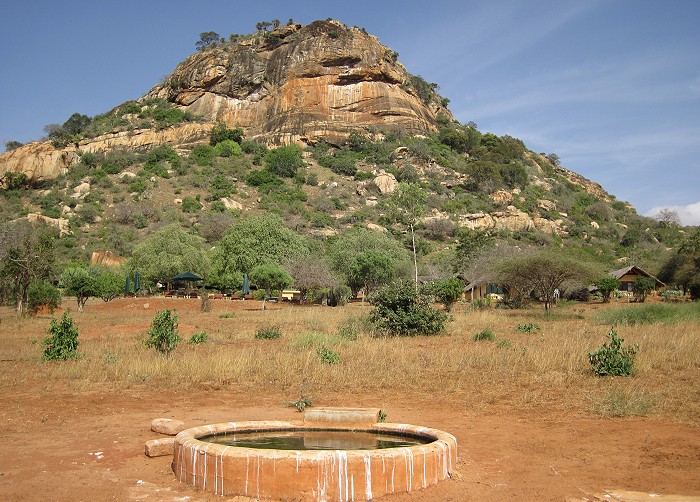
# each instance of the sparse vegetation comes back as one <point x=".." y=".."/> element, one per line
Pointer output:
<point x="615" y="359"/>
<point x="163" y="335"/>
<point x="63" y="342"/>
<point x="485" y="335"/>
<point x="268" y="333"/>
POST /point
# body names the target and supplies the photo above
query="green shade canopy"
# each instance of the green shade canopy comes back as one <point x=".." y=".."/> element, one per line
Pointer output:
<point x="187" y="276"/>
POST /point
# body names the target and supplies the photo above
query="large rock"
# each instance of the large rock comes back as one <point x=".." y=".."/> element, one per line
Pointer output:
<point x="511" y="219"/>
<point x="160" y="447"/>
<point x="322" y="80"/>
<point x="62" y="224"/>
<point x="106" y="258"/>
<point x="386" y="182"/>
<point x="167" y="426"/>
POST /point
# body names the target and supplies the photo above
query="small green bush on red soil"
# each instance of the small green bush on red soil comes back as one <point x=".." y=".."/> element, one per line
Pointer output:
<point x="63" y="342"/>
<point x="163" y="335"/>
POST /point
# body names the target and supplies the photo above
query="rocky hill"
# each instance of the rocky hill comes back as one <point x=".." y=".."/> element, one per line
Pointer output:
<point x="364" y="124"/>
<point x="294" y="84"/>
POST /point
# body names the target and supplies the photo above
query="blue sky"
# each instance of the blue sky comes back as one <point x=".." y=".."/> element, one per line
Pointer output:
<point x="611" y="86"/>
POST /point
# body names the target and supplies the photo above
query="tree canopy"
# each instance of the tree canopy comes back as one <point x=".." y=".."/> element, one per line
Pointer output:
<point x="256" y="240"/>
<point x="543" y="271"/>
<point x="168" y="252"/>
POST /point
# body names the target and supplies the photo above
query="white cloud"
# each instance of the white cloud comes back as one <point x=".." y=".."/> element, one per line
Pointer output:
<point x="689" y="213"/>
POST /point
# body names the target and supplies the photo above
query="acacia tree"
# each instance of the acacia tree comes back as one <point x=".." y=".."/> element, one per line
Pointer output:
<point x="369" y="270"/>
<point x="168" y="252"/>
<point x="544" y="271"/>
<point x="270" y="276"/>
<point x="207" y="39"/>
<point x="26" y="255"/>
<point x="408" y="204"/>
<point x="79" y="282"/>
<point x="643" y="286"/>
<point x="253" y="241"/>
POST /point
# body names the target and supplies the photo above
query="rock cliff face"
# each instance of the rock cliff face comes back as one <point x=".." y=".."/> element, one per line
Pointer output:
<point x="295" y="84"/>
<point x="300" y="83"/>
<point x="41" y="161"/>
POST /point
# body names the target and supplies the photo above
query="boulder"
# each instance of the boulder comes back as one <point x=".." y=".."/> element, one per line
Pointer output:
<point x="386" y="182"/>
<point x="160" y="447"/>
<point x="229" y="203"/>
<point x="167" y="426"/>
<point x="546" y="205"/>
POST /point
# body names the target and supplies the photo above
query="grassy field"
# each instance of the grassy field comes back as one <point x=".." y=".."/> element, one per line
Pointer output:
<point x="535" y="360"/>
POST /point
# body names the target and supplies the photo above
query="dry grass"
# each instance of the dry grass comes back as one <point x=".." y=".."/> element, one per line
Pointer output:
<point x="547" y="369"/>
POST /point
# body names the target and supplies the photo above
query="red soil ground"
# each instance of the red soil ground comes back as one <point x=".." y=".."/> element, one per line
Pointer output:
<point x="89" y="446"/>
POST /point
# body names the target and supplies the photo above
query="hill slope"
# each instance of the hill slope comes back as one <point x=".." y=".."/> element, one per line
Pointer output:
<point x="367" y="123"/>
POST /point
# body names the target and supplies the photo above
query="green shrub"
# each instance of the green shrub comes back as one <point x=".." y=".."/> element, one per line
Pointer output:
<point x="268" y="333"/>
<point x="228" y="148"/>
<point x="614" y="359"/>
<point x="198" y="338"/>
<point x="163" y="335"/>
<point x="400" y="311"/>
<point x="503" y="343"/>
<point x="63" y="342"/>
<point x="328" y="356"/>
<point x="284" y="161"/>
<point x="529" y="328"/>
<point x="220" y="134"/>
<point x="190" y="205"/>
<point x="42" y="294"/>
<point x="447" y="291"/>
<point x="203" y="155"/>
<point x="485" y="334"/>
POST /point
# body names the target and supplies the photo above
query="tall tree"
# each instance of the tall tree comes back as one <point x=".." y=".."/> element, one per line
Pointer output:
<point x="79" y="282"/>
<point x="168" y="252"/>
<point x="270" y="276"/>
<point x="545" y="272"/>
<point x="26" y="255"/>
<point x="369" y="270"/>
<point x="255" y="240"/>
<point x="207" y="39"/>
<point x="408" y="203"/>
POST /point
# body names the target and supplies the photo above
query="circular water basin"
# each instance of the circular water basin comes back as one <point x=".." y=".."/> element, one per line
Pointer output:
<point x="283" y="460"/>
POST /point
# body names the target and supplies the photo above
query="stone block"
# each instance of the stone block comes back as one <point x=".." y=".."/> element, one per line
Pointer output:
<point x="167" y="426"/>
<point x="160" y="447"/>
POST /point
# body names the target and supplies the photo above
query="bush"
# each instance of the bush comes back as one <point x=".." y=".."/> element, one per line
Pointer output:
<point x="163" y="335"/>
<point x="284" y="161"/>
<point x="485" y="334"/>
<point x="447" y="291"/>
<point x="198" y="338"/>
<point x="203" y="155"/>
<point x="228" y="148"/>
<point x="63" y="342"/>
<point x="328" y="356"/>
<point x="42" y="294"/>
<point x="190" y="205"/>
<point x="268" y="333"/>
<point x="401" y="311"/>
<point x="614" y="359"/>
<point x="529" y="328"/>
<point x="220" y="134"/>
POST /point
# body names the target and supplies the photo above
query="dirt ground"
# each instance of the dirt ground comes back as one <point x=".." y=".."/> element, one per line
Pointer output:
<point x="63" y="445"/>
